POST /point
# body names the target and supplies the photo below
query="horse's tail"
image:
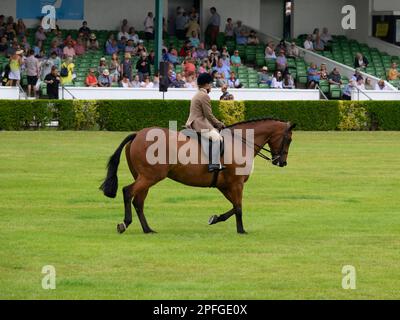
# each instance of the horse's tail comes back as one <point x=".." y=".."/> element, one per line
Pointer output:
<point x="110" y="184"/>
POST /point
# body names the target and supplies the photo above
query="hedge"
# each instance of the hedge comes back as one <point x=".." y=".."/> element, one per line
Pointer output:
<point x="133" y="115"/>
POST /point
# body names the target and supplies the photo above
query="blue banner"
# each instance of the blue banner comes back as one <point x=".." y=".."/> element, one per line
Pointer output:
<point x="65" y="9"/>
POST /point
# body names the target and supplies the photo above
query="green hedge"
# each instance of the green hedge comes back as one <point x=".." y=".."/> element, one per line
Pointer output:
<point x="132" y="115"/>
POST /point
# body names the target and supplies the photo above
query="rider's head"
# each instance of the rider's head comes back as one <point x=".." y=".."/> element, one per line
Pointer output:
<point x="204" y="81"/>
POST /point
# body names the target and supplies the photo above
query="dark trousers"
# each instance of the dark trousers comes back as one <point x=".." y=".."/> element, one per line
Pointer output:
<point x="214" y="30"/>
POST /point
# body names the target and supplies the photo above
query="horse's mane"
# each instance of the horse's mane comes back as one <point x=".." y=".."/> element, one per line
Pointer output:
<point x="255" y="120"/>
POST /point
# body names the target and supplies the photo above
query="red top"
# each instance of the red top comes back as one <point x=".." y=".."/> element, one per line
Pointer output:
<point x="91" y="80"/>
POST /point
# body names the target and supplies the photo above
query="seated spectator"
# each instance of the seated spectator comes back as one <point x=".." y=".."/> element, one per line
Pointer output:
<point x="356" y="75"/>
<point x="40" y="35"/>
<point x="360" y="83"/>
<point x="319" y="44"/>
<point x="393" y="73"/>
<point x="368" y="84"/>
<point x="156" y="81"/>
<point x="189" y="67"/>
<point x="225" y="94"/>
<point x="125" y="83"/>
<point x="315" y="34"/>
<point x="21" y="28"/>
<point x="308" y="43"/>
<point x="186" y="49"/>
<point x="242" y="38"/>
<point x="123" y="33"/>
<point x="270" y="51"/>
<point x="203" y="67"/>
<point x="288" y="82"/>
<point x="191" y="82"/>
<point x="132" y="35"/>
<point x="213" y="60"/>
<point x="92" y="44"/>
<point x="140" y="49"/>
<point x="57" y="50"/>
<point x="135" y="82"/>
<point x="335" y="77"/>
<point x="313" y="76"/>
<point x="126" y="66"/>
<point x="264" y="77"/>
<point x="220" y="80"/>
<point x="25" y="44"/>
<point x="222" y="68"/>
<point x="67" y="71"/>
<point x="325" y="36"/>
<point x="114" y="67"/>
<point x="240" y="32"/>
<point x="201" y="52"/>
<point x="69" y="39"/>
<point x="323" y="72"/>
<point x="347" y="90"/>
<point x="213" y="51"/>
<point x="3" y="45"/>
<point x="236" y="61"/>
<point x="252" y="39"/>
<point x="293" y="51"/>
<point x="178" y="82"/>
<point x="229" y="29"/>
<point x="124" y="24"/>
<point x="193" y="53"/>
<point x="85" y="30"/>
<point x="102" y="65"/>
<point x="277" y="80"/>
<point x="122" y="44"/>
<point x="110" y="38"/>
<point x="381" y="85"/>
<point x="80" y="48"/>
<point x="130" y="47"/>
<point x="91" y="79"/>
<point x="233" y="82"/>
<point x="225" y="59"/>
<point x="69" y="51"/>
<point x="143" y="66"/>
<point x="360" y="61"/>
<point x="58" y="39"/>
<point x="112" y="47"/>
<point x="11" y="50"/>
<point x="152" y="58"/>
<point x="281" y="62"/>
<point x="38" y="48"/>
<point x="105" y="80"/>
<point x="172" y="56"/>
<point x="281" y="46"/>
<point x="55" y="60"/>
<point x="194" y="40"/>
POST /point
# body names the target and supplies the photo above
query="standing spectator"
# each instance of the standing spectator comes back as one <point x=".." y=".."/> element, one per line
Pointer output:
<point x="319" y="44"/>
<point x="67" y="71"/>
<point x="178" y="82"/>
<point x="308" y="43"/>
<point x="85" y="30"/>
<point x="69" y="51"/>
<point x="288" y="82"/>
<point x="191" y="26"/>
<point x="281" y="62"/>
<point x="233" y="82"/>
<point x="55" y="60"/>
<point x="264" y="77"/>
<point x="241" y="37"/>
<point x="347" y="90"/>
<point x="368" y="84"/>
<point x="335" y="77"/>
<point x="105" y="80"/>
<point x="143" y="67"/>
<point x="360" y="61"/>
<point x="126" y="66"/>
<point x="115" y="67"/>
<point x="325" y="36"/>
<point x="180" y="24"/>
<point x="235" y="59"/>
<point x="21" y="28"/>
<point x="132" y="35"/>
<point x="32" y="71"/>
<point x="40" y="35"/>
<point x="293" y="51"/>
<point x="270" y="51"/>
<point x="393" y="73"/>
<point x="15" y="68"/>
<point x="53" y="81"/>
<point x="149" y="26"/>
<point x="229" y="29"/>
<point x="91" y="79"/>
<point x="381" y="85"/>
<point x="92" y="44"/>
<point x="313" y="76"/>
<point x="146" y="83"/>
<point x="213" y="25"/>
<point x="194" y="39"/>
<point x="277" y="80"/>
<point x="123" y="33"/>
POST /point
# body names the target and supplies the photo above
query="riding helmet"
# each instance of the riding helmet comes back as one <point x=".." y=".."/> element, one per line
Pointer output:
<point x="203" y="79"/>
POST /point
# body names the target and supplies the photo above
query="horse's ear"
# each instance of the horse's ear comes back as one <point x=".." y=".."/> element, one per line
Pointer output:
<point x="292" y="126"/>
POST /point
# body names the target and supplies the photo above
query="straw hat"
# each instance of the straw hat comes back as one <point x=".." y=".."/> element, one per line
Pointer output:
<point x="106" y="72"/>
<point x="92" y="36"/>
<point x="264" y="69"/>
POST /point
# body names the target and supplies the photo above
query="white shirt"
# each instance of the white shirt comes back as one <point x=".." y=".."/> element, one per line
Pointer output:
<point x="308" y="45"/>
<point x="377" y="87"/>
<point x="123" y="34"/>
<point x="148" y="25"/>
<point x="276" y="84"/>
<point x="148" y="85"/>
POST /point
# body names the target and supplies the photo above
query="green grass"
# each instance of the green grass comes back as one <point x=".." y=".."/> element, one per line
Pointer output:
<point x="337" y="203"/>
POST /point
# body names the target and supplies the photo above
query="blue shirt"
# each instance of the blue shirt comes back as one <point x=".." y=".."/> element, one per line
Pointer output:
<point x="110" y="49"/>
<point x="313" y="77"/>
<point x="224" y="69"/>
<point x="215" y="20"/>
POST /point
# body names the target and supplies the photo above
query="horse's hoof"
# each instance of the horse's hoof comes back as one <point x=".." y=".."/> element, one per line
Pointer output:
<point x="213" y="220"/>
<point x="121" y="228"/>
<point x="242" y="232"/>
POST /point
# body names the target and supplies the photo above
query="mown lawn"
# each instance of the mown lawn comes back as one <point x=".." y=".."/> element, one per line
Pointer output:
<point x="336" y="204"/>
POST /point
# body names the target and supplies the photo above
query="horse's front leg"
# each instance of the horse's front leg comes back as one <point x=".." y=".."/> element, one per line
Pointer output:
<point x="215" y="219"/>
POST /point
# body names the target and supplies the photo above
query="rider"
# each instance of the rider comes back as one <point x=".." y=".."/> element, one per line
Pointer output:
<point x="202" y="119"/>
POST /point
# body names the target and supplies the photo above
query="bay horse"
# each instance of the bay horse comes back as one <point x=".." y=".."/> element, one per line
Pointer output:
<point x="276" y="133"/>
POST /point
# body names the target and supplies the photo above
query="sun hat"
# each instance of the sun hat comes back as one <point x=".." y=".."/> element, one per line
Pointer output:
<point x="19" y="52"/>
<point x="264" y="69"/>
<point x="92" y="36"/>
<point x="102" y="59"/>
<point x="106" y="72"/>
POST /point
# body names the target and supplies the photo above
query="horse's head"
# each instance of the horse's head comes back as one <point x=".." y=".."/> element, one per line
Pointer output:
<point x="279" y="144"/>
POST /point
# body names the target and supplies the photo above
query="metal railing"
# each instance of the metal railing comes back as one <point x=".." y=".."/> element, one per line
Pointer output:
<point x="63" y="88"/>
<point x="21" y="92"/>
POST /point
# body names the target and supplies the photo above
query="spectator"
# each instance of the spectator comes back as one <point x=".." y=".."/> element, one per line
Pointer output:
<point x="21" y="28"/>
<point x="293" y="51"/>
<point x="135" y="82"/>
<point x="325" y="36"/>
<point x="308" y="43"/>
<point x="225" y="59"/>
<point x="213" y="25"/>
<point x="32" y="71"/>
<point x="124" y="24"/>
<point x="125" y="83"/>
<point x="347" y="90"/>
<point x="235" y="59"/>
<point x="239" y="30"/>
<point x="277" y="80"/>
<point x="105" y="80"/>
<point x="152" y="57"/>
<point x="57" y="50"/>
<point x="102" y="65"/>
<point x="38" y="48"/>
<point x="69" y="51"/>
<point x="225" y="94"/>
<point x="69" y="39"/>
<point x="115" y="67"/>
<point x="58" y="39"/>
<point x="52" y="81"/>
<point x="213" y="51"/>
<point x="67" y="71"/>
<point x="130" y="47"/>
<point x="112" y="47"/>
<point x="149" y="26"/>
<point x="281" y="46"/>
<point x="323" y="72"/>
<point x="264" y="77"/>
<point x="313" y="76"/>
<point x="229" y="29"/>
<point x="194" y="40"/>
<point x="360" y="83"/>
<point x="40" y="35"/>
<point x="204" y="67"/>
<point x="220" y="80"/>
<point x="55" y="60"/>
<point x="368" y="84"/>
<point x="123" y="33"/>
<point x="186" y="49"/>
<point x="201" y="52"/>
<point x="381" y="85"/>
<point x="315" y="34"/>
<point x="288" y="82"/>
<point x="319" y="44"/>
<point x="180" y="24"/>
<point x="146" y="83"/>
<point x="393" y="73"/>
<point x="178" y="82"/>
<point x="3" y="45"/>
<point x="126" y="66"/>
<point x="189" y="67"/>
<point x="132" y="35"/>
<point x="360" y="61"/>
<point x="91" y="79"/>
<point x="233" y="82"/>
<point x="24" y="45"/>
<point x="143" y="67"/>
<point x="241" y="37"/>
<point x="16" y="63"/>
<point x="85" y="30"/>
<point x="269" y="51"/>
<point x="252" y="39"/>
<point x="156" y="81"/>
<point x="222" y="68"/>
<point x="281" y="62"/>
<point x="213" y="60"/>
<point x="356" y="74"/>
<point x="172" y="56"/>
<point x="140" y="49"/>
<point x="335" y="77"/>
<point x="191" y="26"/>
<point x="191" y="82"/>
<point x="80" y="48"/>
<point x="92" y="44"/>
<point x="122" y="44"/>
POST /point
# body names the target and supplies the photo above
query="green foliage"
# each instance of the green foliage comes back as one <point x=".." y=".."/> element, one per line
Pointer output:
<point x="86" y="114"/>
<point x="353" y="116"/>
<point x="308" y="115"/>
<point x="384" y="115"/>
<point x="231" y="111"/>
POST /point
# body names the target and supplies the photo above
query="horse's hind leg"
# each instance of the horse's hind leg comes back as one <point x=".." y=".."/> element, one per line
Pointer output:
<point x="128" y="194"/>
<point x="215" y="219"/>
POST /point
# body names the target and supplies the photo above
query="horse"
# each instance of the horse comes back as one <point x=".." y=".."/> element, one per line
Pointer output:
<point x="274" y="132"/>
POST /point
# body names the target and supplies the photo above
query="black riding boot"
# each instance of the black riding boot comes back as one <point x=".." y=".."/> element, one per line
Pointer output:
<point x="214" y="163"/>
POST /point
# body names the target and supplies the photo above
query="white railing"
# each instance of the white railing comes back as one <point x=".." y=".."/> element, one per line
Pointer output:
<point x="9" y="93"/>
